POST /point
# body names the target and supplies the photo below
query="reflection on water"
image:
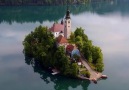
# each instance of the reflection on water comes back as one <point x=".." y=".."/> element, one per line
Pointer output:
<point x="105" y="24"/>
<point x="54" y="13"/>
<point x="110" y="31"/>
<point x="60" y="82"/>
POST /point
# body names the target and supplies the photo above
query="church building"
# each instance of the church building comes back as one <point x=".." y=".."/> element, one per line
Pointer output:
<point x="63" y="28"/>
<point x="61" y="32"/>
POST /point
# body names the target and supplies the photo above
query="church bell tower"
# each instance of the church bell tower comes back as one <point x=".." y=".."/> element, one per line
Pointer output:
<point x="67" y="25"/>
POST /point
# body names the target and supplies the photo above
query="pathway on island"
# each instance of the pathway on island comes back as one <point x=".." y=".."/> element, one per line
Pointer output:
<point x="94" y="74"/>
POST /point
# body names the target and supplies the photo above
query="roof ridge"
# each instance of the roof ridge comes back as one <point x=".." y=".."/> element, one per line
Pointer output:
<point x="61" y="39"/>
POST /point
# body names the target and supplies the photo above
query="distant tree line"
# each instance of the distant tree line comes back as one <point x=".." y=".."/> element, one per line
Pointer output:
<point x="47" y="2"/>
<point x="40" y="2"/>
<point x="36" y="13"/>
<point x="42" y="13"/>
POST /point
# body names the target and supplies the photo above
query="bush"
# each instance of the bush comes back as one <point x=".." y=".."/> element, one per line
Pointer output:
<point x="92" y="53"/>
<point x="85" y="73"/>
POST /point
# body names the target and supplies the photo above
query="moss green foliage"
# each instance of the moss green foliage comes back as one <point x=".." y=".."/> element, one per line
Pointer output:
<point x="41" y="45"/>
<point x="85" y="73"/>
<point x="63" y="63"/>
<point x="76" y="57"/>
<point x="92" y="53"/>
<point x="38" y="44"/>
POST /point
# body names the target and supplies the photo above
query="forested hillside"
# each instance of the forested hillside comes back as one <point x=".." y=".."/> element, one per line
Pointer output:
<point x="48" y="2"/>
<point x="40" y="2"/>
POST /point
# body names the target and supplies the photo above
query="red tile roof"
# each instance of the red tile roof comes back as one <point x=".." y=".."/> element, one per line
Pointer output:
<point x="69" y="48"/>
<point x="61" y="39"/>
<point x="57" y="27"/>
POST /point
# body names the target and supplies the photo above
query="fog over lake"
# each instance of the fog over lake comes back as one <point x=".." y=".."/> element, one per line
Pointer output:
<point x="109" y="30"/>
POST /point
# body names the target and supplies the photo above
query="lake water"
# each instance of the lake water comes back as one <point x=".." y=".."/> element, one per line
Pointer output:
<point x="105" y="23"/>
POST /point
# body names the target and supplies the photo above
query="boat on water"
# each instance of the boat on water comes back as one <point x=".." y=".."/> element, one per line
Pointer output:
<point x="104" y="76"/>
<point x="55" y="71"/>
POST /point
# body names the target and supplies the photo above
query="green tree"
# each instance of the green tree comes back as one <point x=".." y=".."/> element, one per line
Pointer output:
<point x="74" y="69"/>
<point x="38" y="44"/>
<point x="79" y="42"/>
<point x="93" y="54"/>
<point x="72" y="38"/>
<point x="79" y="32"/>
<point x="85" y="73"/>
<point x="76" y="57"/>
<point x="87" y="47"/>
<point x="60" y="59"/>
<point x="96" y="54"/>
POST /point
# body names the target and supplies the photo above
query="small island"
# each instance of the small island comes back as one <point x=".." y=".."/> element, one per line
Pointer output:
<point x="69" y="53"/>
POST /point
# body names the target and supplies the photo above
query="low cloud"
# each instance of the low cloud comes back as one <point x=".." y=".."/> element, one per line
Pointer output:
<point x="107" y="31"/>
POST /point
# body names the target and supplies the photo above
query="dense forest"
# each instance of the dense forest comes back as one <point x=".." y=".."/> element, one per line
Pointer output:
<point x="40" y="2"/>
<point x="47" y="2"/>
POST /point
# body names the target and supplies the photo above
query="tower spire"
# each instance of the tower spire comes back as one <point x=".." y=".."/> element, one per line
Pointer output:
<point x="67" y="28"/>
<point x="67" y="12"/>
